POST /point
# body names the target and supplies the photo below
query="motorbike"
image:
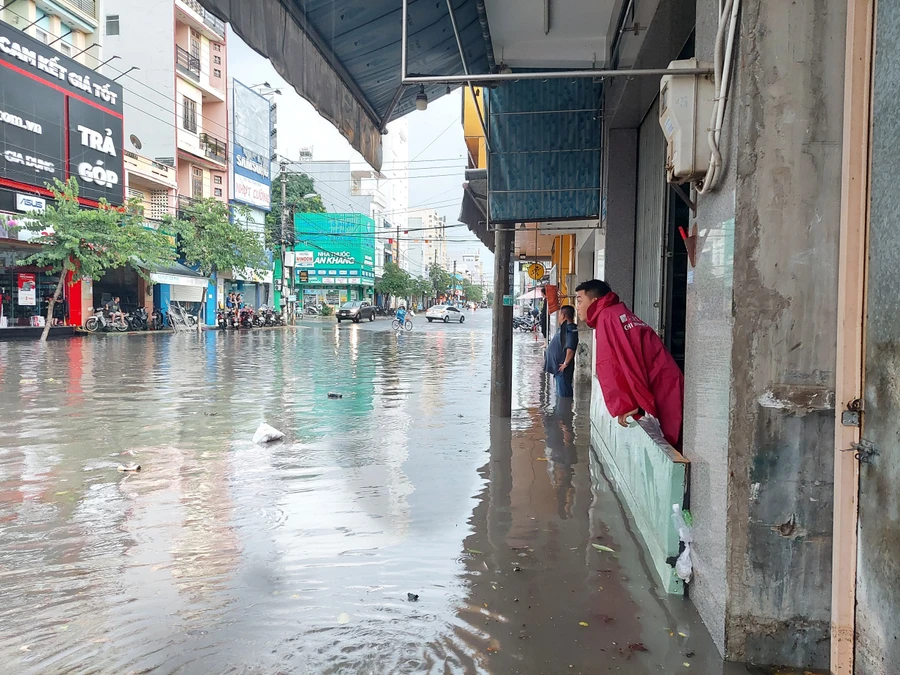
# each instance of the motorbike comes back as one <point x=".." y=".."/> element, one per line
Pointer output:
<point x="101" y="322"/>
<point x="156" y="319"/>
<point x="245" y="317"/>
<point x="138" y="319"/>
<point x="222" y="318"/>
<point x="313" y="309"/>
<point x="526" y="323"/>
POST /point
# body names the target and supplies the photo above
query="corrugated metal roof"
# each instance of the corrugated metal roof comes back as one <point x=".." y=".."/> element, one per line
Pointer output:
<point x="359" y="42"/>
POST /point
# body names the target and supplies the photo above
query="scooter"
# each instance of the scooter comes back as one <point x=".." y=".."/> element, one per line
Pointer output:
<point x="222" y="319"/>
<point x="138" y="319"/>
<point x="101" y="322"/>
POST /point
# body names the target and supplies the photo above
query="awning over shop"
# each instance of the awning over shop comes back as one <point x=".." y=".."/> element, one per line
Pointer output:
<point x="473" y="211"/>
<point x="185" y="285"/>
<point x="344" y="55"/>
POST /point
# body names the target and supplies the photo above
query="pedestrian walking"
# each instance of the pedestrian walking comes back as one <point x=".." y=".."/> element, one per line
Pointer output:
<point x="559" y="359"/>
<point x="637" y="374"/>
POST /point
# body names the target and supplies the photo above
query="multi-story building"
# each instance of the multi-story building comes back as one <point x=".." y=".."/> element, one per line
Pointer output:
<point x="71" y="27"/>
<point x="395" y="185"/>
<point x="426" y="226"/>
<point x="182" y="120"/>
<point x="176" y="111"/>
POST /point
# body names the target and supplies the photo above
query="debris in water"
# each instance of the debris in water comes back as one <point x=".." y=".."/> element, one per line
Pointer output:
<point x="343" y="618"/>
<point x="266" y="433"/>
<point x="637" y="647"/>
<point x="601" y="547"/>
<point x="412" y="597"/>
<point x="474" y="551"/>
<point x="129" y="468"/>
<point x="210" y="414"/>
<point x="583" y="623"/>
<point x="331" y="394"/>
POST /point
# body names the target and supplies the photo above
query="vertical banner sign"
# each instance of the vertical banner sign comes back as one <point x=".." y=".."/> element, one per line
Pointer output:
<point x="27" y="289"/>
<point x="251" y="162"/>
<point x="58" y="119"/>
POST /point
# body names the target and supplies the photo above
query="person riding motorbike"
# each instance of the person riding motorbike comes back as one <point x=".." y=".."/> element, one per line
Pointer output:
<point x="114" y="309"/>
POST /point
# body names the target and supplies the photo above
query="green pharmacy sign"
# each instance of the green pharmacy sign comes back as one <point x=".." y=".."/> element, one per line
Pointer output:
<point x="335" y="249"/>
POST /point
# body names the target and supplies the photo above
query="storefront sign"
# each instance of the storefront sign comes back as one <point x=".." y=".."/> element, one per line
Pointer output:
<point x="336" y="248"/>
<point x="27" y="289"/>
<point x="40" y="89"/>
<point x="305" y="259"/>
<point x="252" y="192"/>
<point x="178" y="280"/>
<point x="251" y="147"/>
<point x="28" y="203"/>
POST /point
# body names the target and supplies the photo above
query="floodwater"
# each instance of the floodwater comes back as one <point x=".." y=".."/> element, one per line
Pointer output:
<point x="222" y="556"/>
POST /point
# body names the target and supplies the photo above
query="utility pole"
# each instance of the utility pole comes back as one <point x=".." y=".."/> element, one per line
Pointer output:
<point x="454" y="280"/>
<point x="284" y="244"/>
<point x="501" y="352"/>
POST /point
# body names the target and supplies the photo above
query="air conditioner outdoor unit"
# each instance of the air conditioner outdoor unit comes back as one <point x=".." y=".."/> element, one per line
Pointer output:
<point x="685" y="107"/>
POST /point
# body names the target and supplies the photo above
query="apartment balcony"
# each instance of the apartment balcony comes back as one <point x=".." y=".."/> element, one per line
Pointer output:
<point x="214" y="148"/>
<point x="146" y="172"/>
<point x="194" y="14"/>
<point x="187" y="64"/>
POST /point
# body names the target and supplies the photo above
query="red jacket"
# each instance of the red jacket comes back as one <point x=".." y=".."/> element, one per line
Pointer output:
<point x="634" y="368"/>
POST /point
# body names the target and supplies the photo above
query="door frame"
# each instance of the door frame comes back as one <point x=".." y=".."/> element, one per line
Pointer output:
<point x="855" y="201"/>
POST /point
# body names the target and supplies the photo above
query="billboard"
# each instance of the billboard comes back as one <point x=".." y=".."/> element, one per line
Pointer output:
<point x="58" y="118"/>
<point x="336" y="249"/>
<point x="250" y="163"/>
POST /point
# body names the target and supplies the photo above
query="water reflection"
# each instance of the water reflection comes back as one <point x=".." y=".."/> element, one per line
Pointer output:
<point x="222" y="556"/>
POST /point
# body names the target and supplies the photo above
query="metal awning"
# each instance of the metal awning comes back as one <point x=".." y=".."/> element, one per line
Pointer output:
<point x="176" y="274"/>
<point x="344" y="55"/>
<point x="473" y="210"/>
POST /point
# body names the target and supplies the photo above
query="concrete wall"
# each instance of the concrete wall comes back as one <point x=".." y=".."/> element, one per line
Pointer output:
<point x="146" y="39"/>
<point x="767" y="306"/>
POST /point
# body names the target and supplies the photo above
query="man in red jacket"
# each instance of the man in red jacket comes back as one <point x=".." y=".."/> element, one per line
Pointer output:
<point x="636" y="372"/>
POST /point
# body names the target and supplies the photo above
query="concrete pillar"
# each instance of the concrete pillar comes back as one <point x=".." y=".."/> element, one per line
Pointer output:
<point x="761" y="342"/>
<point x="501" y="338"/>
<point x="618" y="255"/>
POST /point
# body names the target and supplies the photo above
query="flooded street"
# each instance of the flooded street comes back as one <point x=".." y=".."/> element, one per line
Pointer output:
<point x="222" y="556"/>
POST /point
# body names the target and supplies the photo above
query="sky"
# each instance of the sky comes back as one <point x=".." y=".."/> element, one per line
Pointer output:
<point x="436" y="146"/>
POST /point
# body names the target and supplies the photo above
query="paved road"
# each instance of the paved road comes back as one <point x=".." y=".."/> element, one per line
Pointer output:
<point x="222" y="556"/>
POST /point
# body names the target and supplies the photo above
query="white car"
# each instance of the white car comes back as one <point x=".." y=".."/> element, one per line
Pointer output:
<point x="445" y="313"/>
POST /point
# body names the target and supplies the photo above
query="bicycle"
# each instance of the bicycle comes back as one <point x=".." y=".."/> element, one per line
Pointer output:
<point x="407" y="325"/>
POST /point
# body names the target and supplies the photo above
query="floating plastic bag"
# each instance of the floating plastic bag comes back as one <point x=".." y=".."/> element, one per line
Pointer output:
<point x="266" y="434"/>
<point x="683" y="566"/>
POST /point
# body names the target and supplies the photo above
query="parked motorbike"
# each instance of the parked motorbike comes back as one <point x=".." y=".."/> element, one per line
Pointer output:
<point x="313" y="309"/>
<point x="245" y="317"/>
<point x="101" y="322"/>
<point x="138" y="319"/>
<point x="222" y="319"/>
<point x="156" y="319"/>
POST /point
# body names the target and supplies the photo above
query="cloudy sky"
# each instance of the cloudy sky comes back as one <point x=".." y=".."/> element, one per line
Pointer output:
<point x="436" y="147"/>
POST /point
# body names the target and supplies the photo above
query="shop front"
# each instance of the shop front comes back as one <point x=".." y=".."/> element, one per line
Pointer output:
<point x="336" y="254"/>
<point x="176" y="283"/>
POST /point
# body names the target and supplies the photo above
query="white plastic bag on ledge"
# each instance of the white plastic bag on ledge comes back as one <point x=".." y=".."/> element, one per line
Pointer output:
<point x="683" y="567"/>
<point x="266" y="433"/>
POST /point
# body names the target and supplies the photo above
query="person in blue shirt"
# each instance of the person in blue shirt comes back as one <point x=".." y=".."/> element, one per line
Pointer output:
<point x="559" y="359"/>
<point x="401" y="315"/>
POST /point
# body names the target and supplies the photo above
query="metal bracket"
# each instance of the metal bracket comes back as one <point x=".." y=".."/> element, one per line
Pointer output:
<point x="864" y="451"/>
<point x="850" y="418"/>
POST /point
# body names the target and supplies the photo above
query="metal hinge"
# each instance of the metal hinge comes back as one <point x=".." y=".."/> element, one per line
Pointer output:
<point x="863" y="451"/>
<point x="852" y="416"/>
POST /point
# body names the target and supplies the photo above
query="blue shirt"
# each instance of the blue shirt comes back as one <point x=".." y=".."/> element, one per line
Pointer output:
<point x="566" y="338"/>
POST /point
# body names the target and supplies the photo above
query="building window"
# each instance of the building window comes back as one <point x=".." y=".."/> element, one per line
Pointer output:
<point x="217" y="47"/>
<point x="195" y="44"/>
<point x="217" y="60"/>
<point x="65" y="49"/>
<point x="196" y="182"/>
<point x="218" y="192"/>
<point x="112" y="24"/>
<point x="217" y="72"/>
<point x="41" y="35"/>
<point x="217" y="180"/>
<point x="189" y="121"/>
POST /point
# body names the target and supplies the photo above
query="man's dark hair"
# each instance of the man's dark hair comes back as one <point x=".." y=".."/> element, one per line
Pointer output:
<point x="594" y="288"/>
<point x="568" y="311"/>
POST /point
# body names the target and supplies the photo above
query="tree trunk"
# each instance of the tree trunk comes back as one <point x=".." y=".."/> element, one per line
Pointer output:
<point x="49" y="321"/>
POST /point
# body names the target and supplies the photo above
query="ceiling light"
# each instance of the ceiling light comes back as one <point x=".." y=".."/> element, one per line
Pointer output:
<point x="422" y="99"/>
<point x="505" y="69"/>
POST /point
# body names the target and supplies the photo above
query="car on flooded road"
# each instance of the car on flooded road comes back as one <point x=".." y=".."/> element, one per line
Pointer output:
<point x="356" y="311"/>
<point x="445" y="313"/>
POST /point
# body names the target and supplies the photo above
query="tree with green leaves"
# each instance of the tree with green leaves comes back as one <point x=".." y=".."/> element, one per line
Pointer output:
<point x="299" y="185"/>
<point x="472" y="292"/>
<point x="394" y="281"/>
<point x="87" y="242"/>
<point x="212" y="241"/>
<point x="441" y="280"/>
